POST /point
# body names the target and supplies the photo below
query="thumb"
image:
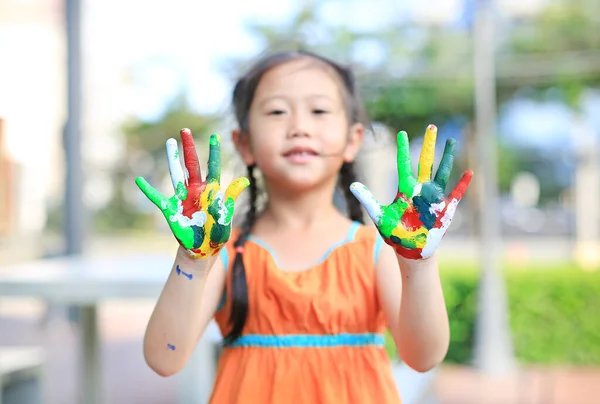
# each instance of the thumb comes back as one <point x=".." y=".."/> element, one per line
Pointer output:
<point x="151" y="193"/>
<point x="236" y="187"/>
<point x="366" y="198"/>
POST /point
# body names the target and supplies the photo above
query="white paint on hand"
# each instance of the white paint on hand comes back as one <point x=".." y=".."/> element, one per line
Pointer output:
<point x="223" y="211"/>
<point x="174" y="163"/>
<point x="366" y="198"/>
<point x="198" y="218"/>
<point x="435" y="235"/>
<point x="416" y="190"/>
<point x="436" y="208"/>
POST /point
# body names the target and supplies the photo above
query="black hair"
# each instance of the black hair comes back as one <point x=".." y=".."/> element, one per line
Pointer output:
<point x="243" y="95"/>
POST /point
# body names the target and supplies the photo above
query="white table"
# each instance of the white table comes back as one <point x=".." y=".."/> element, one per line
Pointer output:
<point x="85" y="282"/>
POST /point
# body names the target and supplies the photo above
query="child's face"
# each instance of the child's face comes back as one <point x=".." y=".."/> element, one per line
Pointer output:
<point x="299" y="131"/>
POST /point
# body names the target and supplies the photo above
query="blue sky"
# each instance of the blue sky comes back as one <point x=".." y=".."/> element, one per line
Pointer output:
<point x="547" y="123"/>
<point x="183" y="46"/>
<point x="191" y="44"/>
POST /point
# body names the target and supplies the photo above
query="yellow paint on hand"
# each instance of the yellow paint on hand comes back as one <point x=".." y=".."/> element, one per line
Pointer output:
<point x="427" y="154"/>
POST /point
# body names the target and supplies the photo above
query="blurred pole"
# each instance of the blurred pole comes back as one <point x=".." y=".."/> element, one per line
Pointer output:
<point x="493" y="348"/>
<point x="587" y="194"/>
<point x="90" y="391"/>
<point x="74" y="208"/>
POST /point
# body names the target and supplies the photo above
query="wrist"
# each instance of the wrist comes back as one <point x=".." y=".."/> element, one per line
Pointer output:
<point x="196" y="255"/>
<point x="185" y="261"/>
<point x="412" y="265"/>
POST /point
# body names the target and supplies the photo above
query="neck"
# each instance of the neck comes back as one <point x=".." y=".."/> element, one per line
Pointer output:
<point x="301" y="209"/>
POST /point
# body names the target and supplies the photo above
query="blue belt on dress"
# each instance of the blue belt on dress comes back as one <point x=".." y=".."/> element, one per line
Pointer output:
<point x="309" y="341"/>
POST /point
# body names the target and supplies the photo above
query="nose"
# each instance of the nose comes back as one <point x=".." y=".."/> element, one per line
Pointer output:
<point x="299" y="126"/>
<point x="297" y="132"/>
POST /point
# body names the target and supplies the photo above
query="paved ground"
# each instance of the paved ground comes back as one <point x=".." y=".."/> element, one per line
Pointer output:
<point x="128" y="380"/>
<point x="459" y="385"/>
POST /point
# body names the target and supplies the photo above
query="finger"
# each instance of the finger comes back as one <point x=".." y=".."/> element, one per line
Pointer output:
<point x="174" y="163"/>
<point x="427" y="154"/>
<point x="236" y="187"/>
<point x="459" y="190"/>
<point x="190" y="156"/>
<point x="445" y="168"/>
<point x="214" y="159"/>
<point x="366" y="198"/>
<point x="406" y="180"/>
<point x="156" y="197"/>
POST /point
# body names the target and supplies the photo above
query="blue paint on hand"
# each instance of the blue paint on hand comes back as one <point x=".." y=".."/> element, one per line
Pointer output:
<point x="171" y="347"/>
<point x="180" y="272"/>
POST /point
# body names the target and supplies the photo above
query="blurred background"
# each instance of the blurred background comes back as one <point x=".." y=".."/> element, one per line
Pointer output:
<point x="90" y="91"/>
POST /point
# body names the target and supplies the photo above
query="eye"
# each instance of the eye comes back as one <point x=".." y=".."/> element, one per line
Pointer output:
<point x="276" y="112"/>
<point x="319" y="111"/>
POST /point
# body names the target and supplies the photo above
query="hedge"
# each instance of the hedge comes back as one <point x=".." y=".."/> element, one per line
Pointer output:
<point x="554" y="314"/>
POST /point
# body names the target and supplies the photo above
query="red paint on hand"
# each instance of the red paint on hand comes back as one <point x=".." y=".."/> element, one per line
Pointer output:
<point x="410" y="253"/>
<point x="459" y="190"/>
<point x="195" y="185"/>
<point x="411" y="219"/>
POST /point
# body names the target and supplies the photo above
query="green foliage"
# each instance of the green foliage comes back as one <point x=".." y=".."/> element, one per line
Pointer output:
<point x="150" y="136"/>
<point x="120" y="214"/>
<point x="510" y="163"/>
<point x="560" y="48"/>
<point x="146" y="156"/>
<point x="562" y="25"/>
<point x="553" y="314"/>
<point x="390" y="347"/>
<point x="460" y="292"/>
<point x="412" y="106"/>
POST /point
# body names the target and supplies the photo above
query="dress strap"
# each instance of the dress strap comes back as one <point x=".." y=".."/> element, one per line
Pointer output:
<point x="352" y="231"/>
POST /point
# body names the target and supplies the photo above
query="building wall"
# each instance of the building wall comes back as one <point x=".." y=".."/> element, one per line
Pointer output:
<point x="32" y="106"/>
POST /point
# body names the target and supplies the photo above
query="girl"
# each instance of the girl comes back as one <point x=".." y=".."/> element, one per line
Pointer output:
<point x="303" y="294"/>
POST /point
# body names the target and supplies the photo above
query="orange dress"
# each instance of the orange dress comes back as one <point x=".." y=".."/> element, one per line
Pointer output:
<point x="311" y="336"/>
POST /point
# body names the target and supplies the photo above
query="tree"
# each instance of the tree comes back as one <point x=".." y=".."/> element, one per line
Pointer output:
<point x="146" y="156"/>
<point x="427" y="76"/>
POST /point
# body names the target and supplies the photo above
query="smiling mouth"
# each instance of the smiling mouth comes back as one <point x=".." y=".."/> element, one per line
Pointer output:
<point x="300" y="152"/>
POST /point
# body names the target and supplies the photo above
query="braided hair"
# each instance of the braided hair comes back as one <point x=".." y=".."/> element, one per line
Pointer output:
<point x="242" y="99"/>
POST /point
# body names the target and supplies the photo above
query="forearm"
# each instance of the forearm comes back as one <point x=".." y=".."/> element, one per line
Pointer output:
<point x="174" y="326"/>
<point x="425" y="335"/>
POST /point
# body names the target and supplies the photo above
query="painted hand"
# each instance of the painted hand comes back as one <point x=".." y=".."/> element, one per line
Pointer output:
<point x="199" y="214"/>
<point x="418" y="218"/>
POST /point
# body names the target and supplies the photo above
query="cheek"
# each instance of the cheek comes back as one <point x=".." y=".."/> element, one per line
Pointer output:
<point x="335" y="135"/>
<point x="262" y="130"/>
<point x="263" y="146"/>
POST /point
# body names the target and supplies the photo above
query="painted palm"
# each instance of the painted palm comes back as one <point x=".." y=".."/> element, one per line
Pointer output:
<point x="418" y="218"/>
<point x="199" y="214"/>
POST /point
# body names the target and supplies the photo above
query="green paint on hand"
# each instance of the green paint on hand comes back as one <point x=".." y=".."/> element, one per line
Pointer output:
<point x="445" y="168"/>
<point x="410" y="243"/>
<point x="432" y="193"/>
<point x="406" y="179"/>
<point x="181" y="192"/>
<point x="185" y="235"/>
<point x="186" y="229"/>
<point x="213" y="209"/>
<point x="229" y="204"/>
<point x="220" y="234"/>
<point x="214" y="160"/>
<point x="389" y="220"/>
